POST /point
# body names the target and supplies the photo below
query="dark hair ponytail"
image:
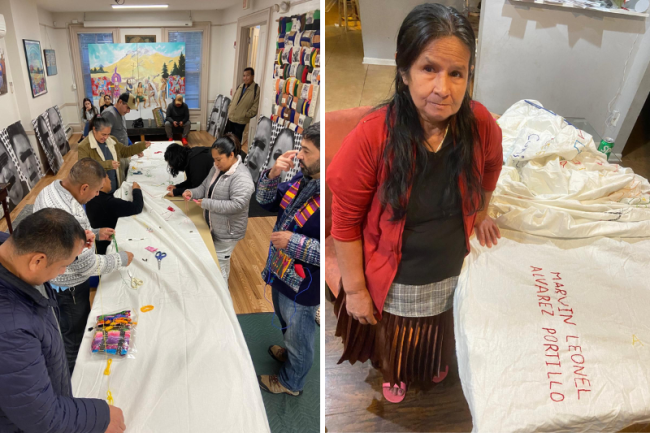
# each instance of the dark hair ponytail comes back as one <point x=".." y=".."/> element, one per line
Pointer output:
<point x="405" y="153"/>
<point x="227" y="144"/>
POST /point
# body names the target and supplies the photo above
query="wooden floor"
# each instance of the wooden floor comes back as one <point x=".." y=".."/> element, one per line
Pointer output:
<point x="249" y="257"/>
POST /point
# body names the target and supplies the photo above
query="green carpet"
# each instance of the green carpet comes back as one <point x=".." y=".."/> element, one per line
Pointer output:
<point x="286" y="414"/>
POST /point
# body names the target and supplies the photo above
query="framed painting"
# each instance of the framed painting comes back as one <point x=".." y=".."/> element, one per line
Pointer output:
<point x="35" y="67"/>
<point x="50" y="62"/>
<point x="140" y="39"/>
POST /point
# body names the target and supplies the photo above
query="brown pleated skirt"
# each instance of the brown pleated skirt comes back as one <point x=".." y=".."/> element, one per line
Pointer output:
<point x="404" y="349"/>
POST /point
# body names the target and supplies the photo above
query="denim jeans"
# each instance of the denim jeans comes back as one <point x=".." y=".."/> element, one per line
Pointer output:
<point x="298" y="340"/>
<point x="74" y="306"/>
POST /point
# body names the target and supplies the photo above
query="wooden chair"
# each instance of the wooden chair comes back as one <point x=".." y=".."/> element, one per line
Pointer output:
<point x="4" y="187"/>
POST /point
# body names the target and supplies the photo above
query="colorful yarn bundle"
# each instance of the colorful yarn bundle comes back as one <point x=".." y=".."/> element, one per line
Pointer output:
<point x="113" y="335"/>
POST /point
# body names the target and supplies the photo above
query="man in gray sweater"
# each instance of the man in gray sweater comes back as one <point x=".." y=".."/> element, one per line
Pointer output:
<point x="70" y="194"/>
<point x="115" y="116"/>
<point x="178" y="116"/>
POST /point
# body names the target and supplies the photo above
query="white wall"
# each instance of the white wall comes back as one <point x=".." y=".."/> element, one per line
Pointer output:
<point x="380" y="23"/>
<point x="572" y="62"/>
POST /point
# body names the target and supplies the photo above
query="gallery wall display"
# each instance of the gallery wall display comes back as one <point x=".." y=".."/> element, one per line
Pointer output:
<point x="296" y="72"/>
<point x="3" y="73"/>
<point x="50" y="62"/>
<point x="35" y="67"/>
<point x="9" y="173"/>
<point x="45" y="137"/>
<point x="153" y="72"/>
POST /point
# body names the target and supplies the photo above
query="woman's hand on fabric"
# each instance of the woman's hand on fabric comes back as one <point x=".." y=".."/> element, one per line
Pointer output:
<point x="281" y="239"/>
<point x="487" y="231"/>
<point x="106" y="233"/>
<point x="359" y="305"/>
<point x="136" y="185"/>
<point x="116" y="164"/>
<point x="170" y="188"/>
<point x="283" y="163"/>
<point x="147" y="144"/>
<point x="187" y="195"/>
<point x="141" y="155"/>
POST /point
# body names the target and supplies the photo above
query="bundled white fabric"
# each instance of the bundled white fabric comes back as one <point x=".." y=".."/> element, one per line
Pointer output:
<point x="557" y="184"/>
<point x="193" y="369"/>
<point x="552" y="335"/>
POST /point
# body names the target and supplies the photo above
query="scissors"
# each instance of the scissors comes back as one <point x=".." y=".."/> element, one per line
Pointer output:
<point x="159" y="256"/>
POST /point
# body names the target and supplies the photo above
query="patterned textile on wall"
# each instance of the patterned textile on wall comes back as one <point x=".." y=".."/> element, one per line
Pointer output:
<point x="296" y="72"/>
<point x="45" y="137"/>
<point x="213" y="116"/>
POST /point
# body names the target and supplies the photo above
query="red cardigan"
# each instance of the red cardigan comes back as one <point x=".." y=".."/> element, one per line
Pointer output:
<point x="355" y="176"/>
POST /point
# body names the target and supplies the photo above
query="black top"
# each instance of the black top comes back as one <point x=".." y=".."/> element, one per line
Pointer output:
<point x="178" y="114"/>
<point x="199" y="164"/>
<point x="104" y="210"/>
<point x="102" y="107"/>
<point x="433" y="241"/>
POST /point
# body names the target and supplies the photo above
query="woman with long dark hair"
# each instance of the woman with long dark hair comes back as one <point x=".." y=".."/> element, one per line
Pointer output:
<point x="88" y="111"/>
<point x="225" y="196"/>
<point x="196" y="162"/>
<point x="409" y="186"/>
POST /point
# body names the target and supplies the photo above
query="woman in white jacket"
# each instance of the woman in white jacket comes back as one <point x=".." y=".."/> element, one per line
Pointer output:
<point x="225" y="196"/>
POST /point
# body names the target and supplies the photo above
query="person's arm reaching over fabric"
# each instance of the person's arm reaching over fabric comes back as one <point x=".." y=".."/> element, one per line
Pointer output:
<point x="27" y="397"/>
<point x="124" y="208"/>
<point x="128" y="151"/>
<point x="200" y="191"/>
<point x="352" y="178"/>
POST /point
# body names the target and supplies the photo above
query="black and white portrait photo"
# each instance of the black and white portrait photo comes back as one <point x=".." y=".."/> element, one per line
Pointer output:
<point x="215" y="116"/>
<point x="45" y="138"/>
<point x="56" y="124"/>
<point x="259" y="149"/>
<point x="29" y="166"/>
<point x="223" y="116"/>
<point x="9" y="174"/>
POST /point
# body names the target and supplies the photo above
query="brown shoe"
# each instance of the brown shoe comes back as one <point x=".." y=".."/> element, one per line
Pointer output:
<point x="278" y="353"/>
<point x="270" y="383"/>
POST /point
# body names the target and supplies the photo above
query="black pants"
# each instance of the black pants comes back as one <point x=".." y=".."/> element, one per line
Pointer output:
<point x="74" y="304"/>
<point x="236" y="128"/>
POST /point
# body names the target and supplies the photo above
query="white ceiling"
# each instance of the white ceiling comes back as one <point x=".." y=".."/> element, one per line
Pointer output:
<point x="105" y="5"/>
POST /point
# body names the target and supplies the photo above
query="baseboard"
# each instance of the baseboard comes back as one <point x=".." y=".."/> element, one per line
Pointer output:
<point x="376" y="61"/>
<point x="615" y="157"/>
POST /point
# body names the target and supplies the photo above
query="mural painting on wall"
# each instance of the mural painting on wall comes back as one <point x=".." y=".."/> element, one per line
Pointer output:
<point x="3" y="73"/>
<point x="35" y="67"/>
<point x="153" y="72"/>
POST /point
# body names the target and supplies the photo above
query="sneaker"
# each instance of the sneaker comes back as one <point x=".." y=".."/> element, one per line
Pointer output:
<point x="318" y="316"/>
<point x="171" y="139"/>
<point x="278" y="353"/>
<point x="184" y="141"/>
<point x="270" y="383"/>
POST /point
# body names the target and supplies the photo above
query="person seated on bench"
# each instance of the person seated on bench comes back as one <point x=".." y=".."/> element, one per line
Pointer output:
<point x="196" y="162"/>
<point x="178" y="116"/>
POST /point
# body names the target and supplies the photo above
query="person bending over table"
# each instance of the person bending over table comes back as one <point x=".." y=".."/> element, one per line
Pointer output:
<point x="36" y="392"/>
<point x="105" y="209"/>
<point x="104" y="148"/>
<point x="293" y="266"/>
<point x="409" y="185"/>
<point x="225" y="196"/>
<point x="70" y="194"/>
<point x="178" y="116"/>
<point x="196" y="162"/>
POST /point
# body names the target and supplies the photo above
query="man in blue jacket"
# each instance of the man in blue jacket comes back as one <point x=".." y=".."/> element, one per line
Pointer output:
<point x="35" y="387"/>
<point x="293" y="266"/>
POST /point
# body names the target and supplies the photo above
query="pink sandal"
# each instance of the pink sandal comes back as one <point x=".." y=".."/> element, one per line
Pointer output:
<point x="439" y="378"/>
<point x="390" y="396"/>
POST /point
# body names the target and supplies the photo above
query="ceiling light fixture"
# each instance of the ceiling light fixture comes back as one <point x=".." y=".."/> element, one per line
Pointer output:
<point x="140" y="6"/>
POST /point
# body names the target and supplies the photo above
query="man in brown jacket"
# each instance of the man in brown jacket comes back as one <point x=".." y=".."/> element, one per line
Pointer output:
<point x="244" y="105"/>
<point x="104" y="148"/>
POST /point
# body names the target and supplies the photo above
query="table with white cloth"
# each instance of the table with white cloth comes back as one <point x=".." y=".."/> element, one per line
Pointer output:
<point x="551" y="325"/>
<point x="190" y="370"/>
